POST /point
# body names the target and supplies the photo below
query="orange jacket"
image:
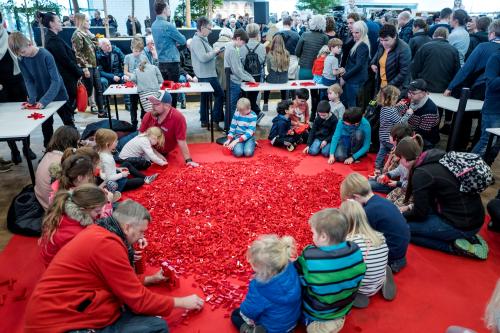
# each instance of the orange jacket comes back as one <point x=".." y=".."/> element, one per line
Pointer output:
<point x="319" y="65"/>
<point x="86" y="284"/>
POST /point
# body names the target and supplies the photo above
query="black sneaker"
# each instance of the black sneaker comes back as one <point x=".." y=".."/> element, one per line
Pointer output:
<point x="31" y="155"/>
<point x="389" y="287"/>
<point x="204" y="125"/>
<point x="361" y="301"/>
<point x="445" y="129"/>
<point x="6" y="163"/>
<point x="259" y="117"/>
<point x="183" y="104"/>
<point x="102" y="115"/>
<point x="5" y="168"/>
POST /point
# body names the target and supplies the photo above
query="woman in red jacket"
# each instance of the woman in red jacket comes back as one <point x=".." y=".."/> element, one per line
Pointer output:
<point x="70" y="213"/>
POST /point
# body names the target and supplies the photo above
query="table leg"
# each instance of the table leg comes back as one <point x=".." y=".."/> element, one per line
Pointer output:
<point x="457" y="120"/>
<point x="211" y="116"/>
<point x="26" y="151"/>
<point x="488" y="146"/>
<point x="109" y="112"/>
<point x="116" y="108"/>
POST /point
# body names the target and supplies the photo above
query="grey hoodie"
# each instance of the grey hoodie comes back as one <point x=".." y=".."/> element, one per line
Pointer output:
<point x="232" y="60"/>
<point x="202" y="57"/>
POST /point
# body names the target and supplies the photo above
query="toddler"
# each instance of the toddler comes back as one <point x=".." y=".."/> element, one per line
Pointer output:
<point x="280" y="134"/>
<point x="319" y="64"/>
<point x="336" y="106"/>
<point x="140" y="152"/>
<point x="241" y="139"/>
<point x="322" y="130"/>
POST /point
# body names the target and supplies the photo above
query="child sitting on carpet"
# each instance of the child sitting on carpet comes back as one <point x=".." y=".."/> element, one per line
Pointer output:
<point x="383" y="216"/>
<point x="375" y="253"/>
<point x="321" y="132"/>
<point x="300" y="116"/>
<point x="69" y="214"/>
<point x="273" y="301"/>
<point x="241" y="139"/>
<point x="280" y="134"/>
<point x="396" y="174"/>
<point x="336" y="106"/>
<point x="106" y="141"/>
<point x="140" y="152"/>
<point x="351" y="139"/>
<point x="389" y="116"/>
<point x="327" y="298"/>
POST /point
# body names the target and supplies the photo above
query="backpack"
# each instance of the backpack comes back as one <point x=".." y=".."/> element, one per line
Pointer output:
<point x="372" y="114"/>
<point x="252" y="64"/>
<point x="470" y="170"/>
<point x="25" y="213"/>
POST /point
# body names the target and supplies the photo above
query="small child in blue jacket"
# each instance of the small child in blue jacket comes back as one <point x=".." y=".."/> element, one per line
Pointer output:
<point x="273" y="302"/>
<point x="280" y="134"/>
<point x="351" y="139"/>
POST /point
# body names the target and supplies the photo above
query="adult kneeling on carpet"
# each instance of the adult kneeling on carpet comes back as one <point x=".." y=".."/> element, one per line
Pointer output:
<point x="441" y="217"/>
<point x="92" y="278"/>
<point x="172" y="123"/>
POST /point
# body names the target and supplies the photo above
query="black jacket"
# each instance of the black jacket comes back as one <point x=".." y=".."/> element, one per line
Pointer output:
<point x="419" y="38"/>
<point x="280" y="127"/>
<point x="356" y="67"/>
<point x="291" y="39"/>
<point x="476" y="39"/>
<point x="436" y="190"/>
<point x="322" y="129"/>
<point x="64" y="57"/>
<point x="397" y="65"/>
<point x="308" y="47"/>
<point x="436" y="62"/>
<point x="407" y="31"/>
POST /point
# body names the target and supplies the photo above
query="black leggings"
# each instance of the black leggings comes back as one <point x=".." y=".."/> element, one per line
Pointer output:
<point x="66" y="114"/>
<point x="94" y="81"/>
<point x="171" y="71"/>
<point x="133" y="183"/>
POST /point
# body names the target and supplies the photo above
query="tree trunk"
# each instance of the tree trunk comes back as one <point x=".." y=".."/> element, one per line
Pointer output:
<point x="188" y="13"/>
<point x="76" y="7"/>
<point x="210" y="9"/>
<point x="106" y="21"/>
<point x="134" y="28"/>
<point x="28" y="20"/>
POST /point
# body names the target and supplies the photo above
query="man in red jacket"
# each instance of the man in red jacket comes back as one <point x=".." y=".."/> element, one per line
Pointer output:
<point x="91" y="283"/>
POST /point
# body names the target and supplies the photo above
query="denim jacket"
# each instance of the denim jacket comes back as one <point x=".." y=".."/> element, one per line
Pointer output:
<point x="166" y="36"/>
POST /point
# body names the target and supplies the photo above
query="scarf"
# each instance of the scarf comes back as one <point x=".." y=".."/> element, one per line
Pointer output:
<point x="4" y="46"/>
<point x="416" y="106"/>
<point x="110" y="224"/>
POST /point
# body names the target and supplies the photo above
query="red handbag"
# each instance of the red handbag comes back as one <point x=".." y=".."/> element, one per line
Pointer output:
<point x="81" y="97"/>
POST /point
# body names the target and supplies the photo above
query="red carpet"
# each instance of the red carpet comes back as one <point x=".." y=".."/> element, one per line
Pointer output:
<point x="434" y="291"/>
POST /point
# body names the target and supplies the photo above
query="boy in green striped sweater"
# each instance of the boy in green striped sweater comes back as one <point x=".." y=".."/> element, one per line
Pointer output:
<point x="330" y="271"/>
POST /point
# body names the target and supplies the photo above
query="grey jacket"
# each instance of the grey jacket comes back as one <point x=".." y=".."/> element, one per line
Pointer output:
<point x="232" y="59"/>
<point x="149" y="80"/>
<point x="202" y="57"/>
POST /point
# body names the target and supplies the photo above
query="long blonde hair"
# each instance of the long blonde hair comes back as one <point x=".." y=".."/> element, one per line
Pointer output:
<point x="323" y="50"/>
<point x="363" y="29"/>
<point x="80" y="19"/>
<point x="280" y="55"/>
<point x="86" y="197"/>
<point x="358" y="222"/>
<point x="269" y="254"/>
<point x="157" y="133"/>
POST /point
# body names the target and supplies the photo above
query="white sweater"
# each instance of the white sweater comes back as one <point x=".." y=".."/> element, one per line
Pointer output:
<point x="140" y="146"/>
<point x="108" y="167"/>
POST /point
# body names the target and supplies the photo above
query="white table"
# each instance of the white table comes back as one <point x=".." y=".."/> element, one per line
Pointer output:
<point x="451" y="103"/>
<point x="15" y="125"/>
<point x="195" y="88"/>
<point x="459" y="107"/>
<point x="265" y="86"/>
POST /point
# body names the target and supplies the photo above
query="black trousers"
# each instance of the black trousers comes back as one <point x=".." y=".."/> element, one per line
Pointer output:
<point x="94" y="83"/>
<point x="66" y="114"/>
<point x="171" y="71"/>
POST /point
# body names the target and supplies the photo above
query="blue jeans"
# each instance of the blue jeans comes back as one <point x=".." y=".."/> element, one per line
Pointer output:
<point x="323" y="94"/>
<point x="487" y="121"/>
<point x="436" y="234"/>
<point x="131" y="323"/>
<point x="380" y="188"/>
<point x="349" y="97"/>
<point x="182" y="97"/>
<point x="235" y="90"/>
<point x="348" y="146"/>
<point x="246" y="148"/>
<point x="104" y="84"/>
<point x="314" y="148"/>
<point x="385" y="148"/>
<point x="218" y="101"/>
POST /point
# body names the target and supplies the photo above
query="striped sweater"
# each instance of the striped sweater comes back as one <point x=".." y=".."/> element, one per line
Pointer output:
<point x="242" y="126"/>
<point x="331" y="276"/>
<point x="375" y="259"/>
<point x="390" y="116"/>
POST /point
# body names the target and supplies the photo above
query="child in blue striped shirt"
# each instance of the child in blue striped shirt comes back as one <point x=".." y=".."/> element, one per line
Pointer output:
<point x="241" y="139"/>
<point x="391" y="114"/>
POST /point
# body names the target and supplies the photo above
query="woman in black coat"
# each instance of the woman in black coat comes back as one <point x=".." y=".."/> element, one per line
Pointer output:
<point x="12" y="87"/>
<point x="63" y="55"/>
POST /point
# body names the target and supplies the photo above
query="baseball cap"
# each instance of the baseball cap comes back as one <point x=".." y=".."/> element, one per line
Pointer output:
<point x="162" y="96"/>
<point x="417" y="84"/>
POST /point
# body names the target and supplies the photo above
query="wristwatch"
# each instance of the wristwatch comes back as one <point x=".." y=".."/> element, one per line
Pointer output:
<point x="188" y="160"/>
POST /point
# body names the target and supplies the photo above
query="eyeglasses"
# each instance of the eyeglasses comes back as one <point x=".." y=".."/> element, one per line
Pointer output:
<point x="415" y="92"/>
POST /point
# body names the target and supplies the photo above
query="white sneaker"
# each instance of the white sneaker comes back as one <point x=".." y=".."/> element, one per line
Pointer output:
<point x="150" y="179"/>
